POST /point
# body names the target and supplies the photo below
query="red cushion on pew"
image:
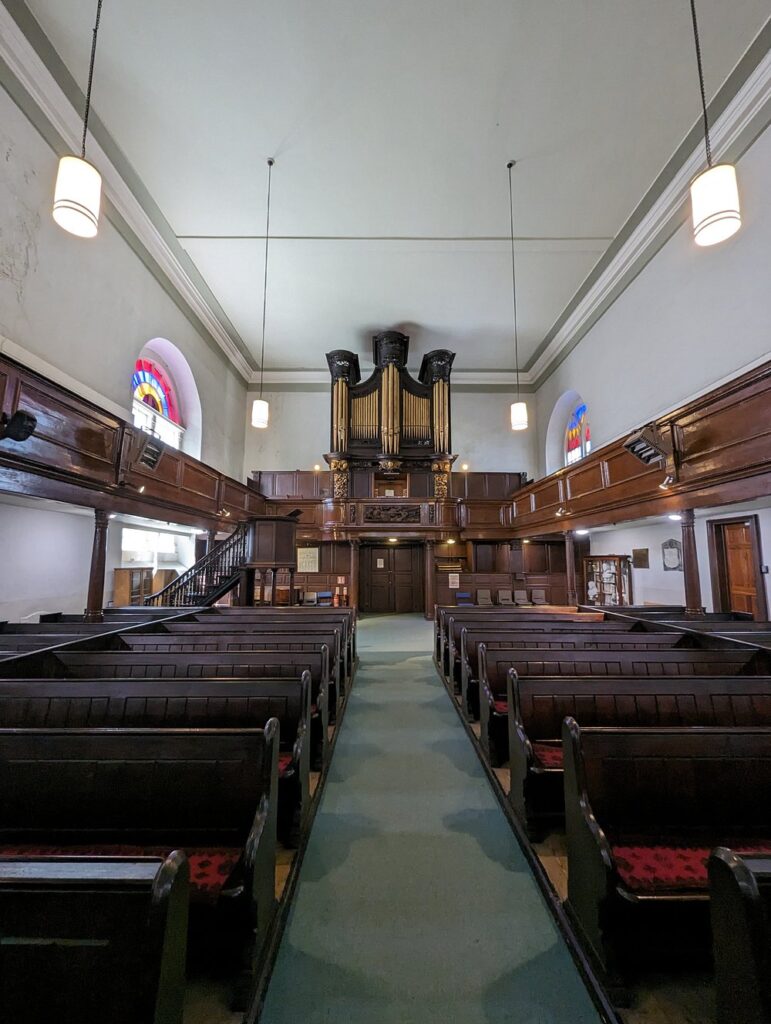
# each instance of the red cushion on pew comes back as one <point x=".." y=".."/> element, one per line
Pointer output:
<point x="548" y="755"/>
<point x="284" y="763"/>
<point x="654" y="869"/>
<point x="210" y="869"/>
<point x="501" y="707"/>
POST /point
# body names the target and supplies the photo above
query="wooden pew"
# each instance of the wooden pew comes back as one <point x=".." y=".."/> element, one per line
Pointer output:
<point x="587" y="636"/>
<point x="643" y="809"/>
<point x="145" y="792"/>
<point x="740" y="911"/>
<point x="182" y="704"/>
<point x="277" y="663"/>
<point x="92" y="940"/>
<point x="345" y="617"/>
<point x="227" y="636"/>
<point x="538" y="705"/>
<point x="537" y="623"/>
<point x="494" y="669"/>
<point x="472" y="616"/>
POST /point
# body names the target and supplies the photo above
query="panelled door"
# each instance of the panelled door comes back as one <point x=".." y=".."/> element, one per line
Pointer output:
<point x="740" y="568"/>
<point x="738" y="584"/>
<point x="391" y="578"/>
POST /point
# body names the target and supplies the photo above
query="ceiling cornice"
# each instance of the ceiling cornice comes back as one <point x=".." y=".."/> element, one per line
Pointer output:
<point x="740" y="111"/>
<point x="491" y="378"/>
<point x="31" y="73"/>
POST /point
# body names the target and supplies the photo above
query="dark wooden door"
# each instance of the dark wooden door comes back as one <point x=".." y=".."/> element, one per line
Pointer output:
<point x="740" y="568"/>
<point x="391" y="578"/>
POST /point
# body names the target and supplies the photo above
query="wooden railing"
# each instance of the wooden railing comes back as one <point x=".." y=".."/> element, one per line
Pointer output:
<point x="211" y="576"/>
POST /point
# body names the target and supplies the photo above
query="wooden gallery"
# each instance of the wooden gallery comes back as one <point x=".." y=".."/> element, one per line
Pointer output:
<point x="420" y="680"/>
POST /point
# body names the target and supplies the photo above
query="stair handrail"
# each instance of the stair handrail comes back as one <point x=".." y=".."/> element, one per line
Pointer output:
<point x="224" y="559"/>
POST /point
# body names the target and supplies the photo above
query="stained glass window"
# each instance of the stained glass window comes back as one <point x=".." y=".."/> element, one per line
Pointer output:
<point x="154" y="403"/>
<point x="578" y="438"/>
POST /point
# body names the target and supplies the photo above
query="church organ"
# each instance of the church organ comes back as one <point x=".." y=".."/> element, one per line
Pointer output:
<point x="391" y="422"/>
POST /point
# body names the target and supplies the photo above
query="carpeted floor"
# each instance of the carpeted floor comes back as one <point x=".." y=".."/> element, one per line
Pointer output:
<point x="415" y="904"/>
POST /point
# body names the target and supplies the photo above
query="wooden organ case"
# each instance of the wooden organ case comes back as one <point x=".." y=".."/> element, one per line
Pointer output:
<point x="390" y="423"/>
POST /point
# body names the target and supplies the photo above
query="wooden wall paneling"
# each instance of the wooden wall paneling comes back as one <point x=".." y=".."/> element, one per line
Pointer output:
<point x="71" y="436"/>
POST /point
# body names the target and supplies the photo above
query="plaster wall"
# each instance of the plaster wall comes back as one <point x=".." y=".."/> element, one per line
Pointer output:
<point x="87" y="307"/>
<point x="298" y="434"/>
<point x="691" y="318"/>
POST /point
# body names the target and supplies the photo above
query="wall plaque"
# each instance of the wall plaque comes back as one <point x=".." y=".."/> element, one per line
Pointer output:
<point x="640" y="558"/>
<point x="307" y="559"/>
<point x="672" y="555"/>
<point x="454" y="580"/>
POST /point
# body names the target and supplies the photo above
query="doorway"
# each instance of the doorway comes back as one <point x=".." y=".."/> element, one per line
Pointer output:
<point x="735" y="560"/>
<point x="391" y="578"/>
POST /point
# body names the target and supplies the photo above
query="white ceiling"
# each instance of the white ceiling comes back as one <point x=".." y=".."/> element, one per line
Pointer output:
<point x="391" y="125"/>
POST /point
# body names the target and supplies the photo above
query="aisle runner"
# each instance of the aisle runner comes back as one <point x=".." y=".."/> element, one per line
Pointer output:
<point x="415" y="904"/>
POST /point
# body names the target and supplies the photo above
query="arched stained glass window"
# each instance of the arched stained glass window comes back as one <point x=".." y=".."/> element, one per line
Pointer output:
<point x="578" y="438"/>
<point x="154" y="403"/>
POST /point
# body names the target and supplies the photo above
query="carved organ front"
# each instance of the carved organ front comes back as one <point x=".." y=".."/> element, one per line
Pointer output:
<point x="391" y="422"/>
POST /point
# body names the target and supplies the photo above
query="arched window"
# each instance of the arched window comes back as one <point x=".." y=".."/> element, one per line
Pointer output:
<point x="155" y="405"/>
<point x="578" y="439"/>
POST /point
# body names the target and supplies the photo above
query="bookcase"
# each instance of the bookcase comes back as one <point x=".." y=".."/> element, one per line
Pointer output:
<point x="608" y="580"/>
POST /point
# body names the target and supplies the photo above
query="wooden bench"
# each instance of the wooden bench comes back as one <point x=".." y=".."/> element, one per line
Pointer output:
<point x="470" y="616"/>
<point x="538" y="705"/>
<point x="537" y="623"/>
<point x="246" y="636"/>
<point x="740" y="911"/>
<point x="643" y="809"/>
<point x="277" y="663"/>
<point x="182" y="704"/>
<point x="344" y="617"/>
<point x="494" y="669"/>
<point x="92" y="940"/>
<point x="595" y="637"/>
<point x="146" y="792"/>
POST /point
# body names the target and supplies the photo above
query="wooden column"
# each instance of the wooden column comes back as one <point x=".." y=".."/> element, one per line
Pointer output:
<point x="429" y="573"/>
<point x="570" y="568"/>
<point x="246" y="588"/>
<point x="353" y="587"/>
<point x="211" y="540"/>
<point x="95" y="599"/>
<point x="693" y="606"/>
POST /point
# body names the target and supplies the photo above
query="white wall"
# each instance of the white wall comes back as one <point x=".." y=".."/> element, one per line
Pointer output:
<point x="657" y="586"/>
<point x="45" y="558"/>
<point x="88" y="306"/>
<point x="692" y="317"/>
<point x="298" y="434"/>
<point x="649" y="586"/>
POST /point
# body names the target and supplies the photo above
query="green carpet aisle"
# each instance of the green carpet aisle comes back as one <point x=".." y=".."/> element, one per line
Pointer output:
<point x="415" y="904"/>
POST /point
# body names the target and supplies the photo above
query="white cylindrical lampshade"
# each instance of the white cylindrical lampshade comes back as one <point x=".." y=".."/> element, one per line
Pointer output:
<point x="518" y="416"/>
<point x="260" y="413"/>
<point x="77" y="197"/>
<point x="715" y="205"/>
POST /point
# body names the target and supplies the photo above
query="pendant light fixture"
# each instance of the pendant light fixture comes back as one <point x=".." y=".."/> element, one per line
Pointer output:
<point x="78" y="191"/>
<point x="714" y="192"/>
<point x="260" y="408"/>
<point x="518" y="408"/>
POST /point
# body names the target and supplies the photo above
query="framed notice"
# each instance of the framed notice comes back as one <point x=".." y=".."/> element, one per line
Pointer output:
<point x="307" y="559"/>
<point x="454" y="580"/>
<point x="641" y="558"/>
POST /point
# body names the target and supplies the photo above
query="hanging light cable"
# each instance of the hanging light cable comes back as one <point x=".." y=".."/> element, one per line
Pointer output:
<point x="714" y="193"/>
<point x="518" y="408"/>
<point x="260" y="408"/>
<point x="78" y="191"/>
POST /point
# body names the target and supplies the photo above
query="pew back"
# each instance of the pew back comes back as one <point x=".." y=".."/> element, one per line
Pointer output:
<point x="93" y="940"/>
